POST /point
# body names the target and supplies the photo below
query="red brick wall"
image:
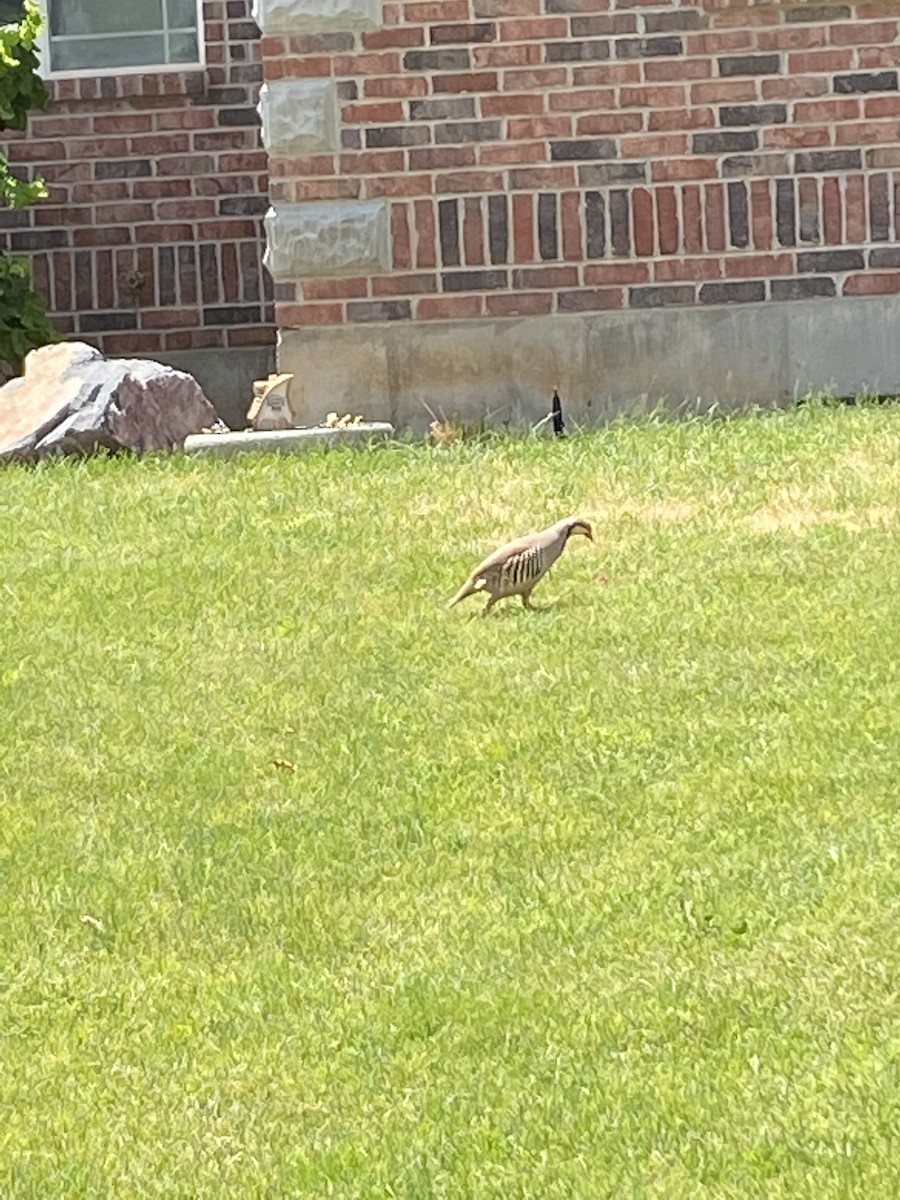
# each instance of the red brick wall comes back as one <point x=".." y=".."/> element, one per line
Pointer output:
<point x="151" y="238"/>
<point x="571" y="155"/>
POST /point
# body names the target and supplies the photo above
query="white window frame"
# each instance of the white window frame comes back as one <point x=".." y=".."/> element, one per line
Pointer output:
<point x="46" y="72"/>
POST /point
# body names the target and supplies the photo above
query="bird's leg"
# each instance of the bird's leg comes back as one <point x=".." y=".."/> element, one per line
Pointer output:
<point x="526" y="599"/>
<point x="492" y="600"/>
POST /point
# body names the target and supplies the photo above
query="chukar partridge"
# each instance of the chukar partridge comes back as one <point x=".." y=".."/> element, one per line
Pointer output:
<point x="516" y="568"/>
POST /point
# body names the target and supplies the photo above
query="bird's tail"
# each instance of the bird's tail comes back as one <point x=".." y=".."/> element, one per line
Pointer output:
<point x="468" y="589"/>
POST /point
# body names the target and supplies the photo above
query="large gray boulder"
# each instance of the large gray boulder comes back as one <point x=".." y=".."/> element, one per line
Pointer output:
<point x="71" y="400"/>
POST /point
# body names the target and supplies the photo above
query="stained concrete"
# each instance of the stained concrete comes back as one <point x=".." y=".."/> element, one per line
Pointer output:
<point x="604" y="364"/>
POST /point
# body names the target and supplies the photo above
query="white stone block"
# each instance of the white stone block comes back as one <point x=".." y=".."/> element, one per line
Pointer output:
<point x="340" y="237"/>
<point x="316" y="16"/>
<point x="299" y="117"/>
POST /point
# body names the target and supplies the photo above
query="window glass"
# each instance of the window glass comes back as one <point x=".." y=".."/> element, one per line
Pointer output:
<point x="104" y="16"/>
<point x="11" y="12"/>
<point x="87" y="35"/>
<point x="80" y="54"/>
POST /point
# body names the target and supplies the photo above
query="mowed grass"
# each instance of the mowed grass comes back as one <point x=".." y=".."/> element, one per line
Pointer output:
<point x="385" y="900"/>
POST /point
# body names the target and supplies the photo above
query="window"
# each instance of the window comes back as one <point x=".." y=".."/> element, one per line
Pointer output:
<point x="113" y="35"/>
<point x="11" y="11"/>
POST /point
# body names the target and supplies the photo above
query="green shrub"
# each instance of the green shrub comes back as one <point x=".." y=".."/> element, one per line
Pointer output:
<point x="23" y="322"/>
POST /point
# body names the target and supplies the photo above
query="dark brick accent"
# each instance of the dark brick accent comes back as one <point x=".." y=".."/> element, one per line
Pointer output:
<point x="457" y="132"/>
<point x="830" y="260"/>
<point x="595" y="221"/>
<point x="743" y="291"/>
<point x="209" y="271"/>
<point x="38" y="239"/>
<point x="474" y="281"/>
<point x="814" y="13"/>
<point x="802" y="289"/>
<point x="128" y="168"/>
<point x="481" y="31"/>
<point x="498" y="228"/>
<point x="809" y="220"/>
<point x="753" y="114"/>
<point x="737" y="215"/>
<point x="351" y="139"/>
<point x="442" y="108"/>
<point x="573" y="151"/>
<point x="437" y="60"/>
<point x="742" y="165"/>
<point x="724" y="143"/>
<point x="165" y="274"/>
<point x="578" y="51"/>
<point x="448" y="224"/>
<point x="750" y="64"/>
<point x="243" y="206"/>
<point x="396" y="135"/>
<point x="661" y="297"/>
<point x="827" y="160"/>
<point x="232" y="314"/>
<point x="649" y="47"/>
<point x="879" y="209"/>
<point x="667" y="22"/>
<point x="101" y="322"/>
<point x="785" y="217"/>
<point x="378" y="310"/>
<point x="600" y="174"/>
<point x="548" y="237"/>
<point x="884" y="256"/>
<point x="237" y="116"/>
<point x="226" y="95"/>
<point x="868" y="81"/>
<point x="620" y="222"/>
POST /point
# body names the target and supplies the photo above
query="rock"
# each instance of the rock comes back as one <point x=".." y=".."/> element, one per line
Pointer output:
<point x="71" y="400"/>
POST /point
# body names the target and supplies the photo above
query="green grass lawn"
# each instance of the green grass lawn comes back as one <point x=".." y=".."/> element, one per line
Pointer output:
<point x="388" y="901"/>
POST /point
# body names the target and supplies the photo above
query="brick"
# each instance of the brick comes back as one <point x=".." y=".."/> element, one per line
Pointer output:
<point x="396" y="135"/>
<point x="611" y="122"/>
<point x="523" y="228"/>
<point x="692" y="211"/>
<point x="474" y="281"/>
<point x="683" y="168"/>
<point x="642" y="221"/>
<point x="582" y="100"/>
<point x="603" y="174"/>
<point x="738" y="215"/>
<point x="832" y="212"/>
<point x="616" y="272"/>
<point x="686" y="270"/>
<point x="532" y="29"/>
<point x="393" y="38"/>
<point x="580" y="51"/>
<point x="480" y="31"/>
<point x="433" y="158"/>
<point x="752" y="266"/>
<point x="744" y="292"/>
<point x="437" y="60"/>
<point x="808" y="209"/>
<point x="753" y="114"/>
<point x="498" y="228"/>
<point x="590" y="300"/>
<point x="548" y="235"/>
<point x="872" y="284"/>
<point x="620" y="222"/>
<point x="519" y="304"/>
<point x="448" y="224"/>
<point x="545" y="277"/>
<point x="293" y="316"/>
<point x="884" y="256"/>
<point x="879" y="209"/>
<point x="681" y="118"/>
<point x="827" y="160"/>
<point x="484" y="81"/>
<point x="604" y="25"/>
<point x="883" y="81"/>
<point x="785" y="212"/>
<point x="527" y="54"/>
<point x="666" y="22"/>
<point x="334" y="289"/>
<point x="724" y="142"/>
<point x="468" y="181"/>
<point x="670" y="70"/>
<point x="595" y="223"/>
<point x="523" y="128"/>
<point x="802" y="289"/>
<point x="648" y="47"/>
<point x="660" y="297"/>
<point x="825" y="261"/>
<point x="473" y="232"/>
<point x="506" y="105"/>
<point x="749" y="64"/>
<point x="714" y="214"/>
<point x="378" y="310"/>
<point x="424" y="235"/>
<point x="570" y="213"/>
<point x="579" y="150"/>
<point x="444" y="108"/>
<point x="436" y="308"/>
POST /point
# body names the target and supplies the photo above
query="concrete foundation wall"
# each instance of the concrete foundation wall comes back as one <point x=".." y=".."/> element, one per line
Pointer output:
<point x="604" y="364"/>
